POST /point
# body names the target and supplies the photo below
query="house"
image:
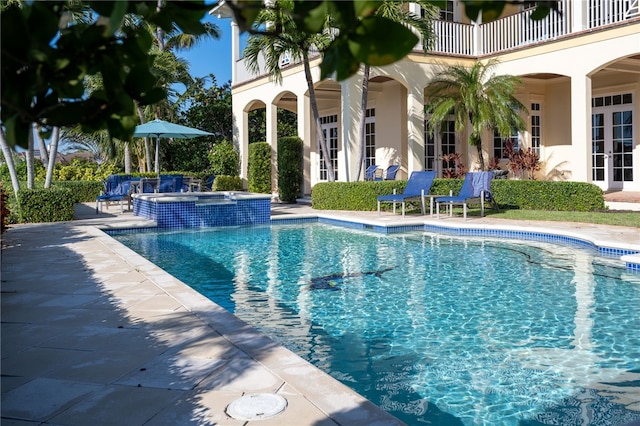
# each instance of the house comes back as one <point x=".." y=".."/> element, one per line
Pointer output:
<point x="581" y="83"/>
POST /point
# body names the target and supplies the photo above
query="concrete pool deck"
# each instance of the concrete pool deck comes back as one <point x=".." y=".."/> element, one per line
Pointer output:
<point x="94" y="334"/>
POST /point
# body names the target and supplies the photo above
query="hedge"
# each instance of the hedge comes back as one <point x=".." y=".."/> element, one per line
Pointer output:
<point x="290" y="157"/>
<point x="46" y="205"/>
<point x="227" y="183"/>
<point x="259" y="168"/>
<point x="514" y="194"/>
<point x="82" y="191"/>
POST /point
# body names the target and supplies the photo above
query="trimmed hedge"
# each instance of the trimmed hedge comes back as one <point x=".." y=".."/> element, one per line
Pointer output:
<point x="227" y="183"/>
<point x="83" y="191"/>
<point x="515" y="194"/>
<point x="46" y="205"/>
<point x="290" y="157"/>
<point x="548" y="195"/>
<point x="259" y="172"/>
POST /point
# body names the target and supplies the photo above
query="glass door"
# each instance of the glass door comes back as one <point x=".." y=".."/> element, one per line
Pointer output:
<point x="612" y="142"/>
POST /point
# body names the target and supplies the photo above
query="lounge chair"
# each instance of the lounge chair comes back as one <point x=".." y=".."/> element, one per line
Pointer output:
<point x="418" y="186"/>
<point x="370" y="173"/>
<point x="116" y="189"/>
<point x="390" y="173"/>
<point x="476" y="188"/>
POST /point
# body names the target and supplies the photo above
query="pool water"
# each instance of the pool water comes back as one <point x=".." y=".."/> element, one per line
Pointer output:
<point x="434" y="329"/>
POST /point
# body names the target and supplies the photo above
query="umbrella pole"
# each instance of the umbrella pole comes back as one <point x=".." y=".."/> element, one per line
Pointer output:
<point x="157" y="164"/>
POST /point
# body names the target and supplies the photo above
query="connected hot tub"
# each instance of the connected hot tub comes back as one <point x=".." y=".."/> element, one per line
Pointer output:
<point x="203" y="209"/>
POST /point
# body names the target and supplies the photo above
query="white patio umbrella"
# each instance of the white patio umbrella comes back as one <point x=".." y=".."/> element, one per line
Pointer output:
<point x="164" y="129"/>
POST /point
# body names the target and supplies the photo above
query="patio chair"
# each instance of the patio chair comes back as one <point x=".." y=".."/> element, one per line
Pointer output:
<point x="390" y="173"/>
<point x="476" y="188"/>
<point x="207" y="186"/>
<point x="170" y="183"/>
<point x="370" y="173"/>
<point x="116" y="189"/>
<point x="418" y="186"/>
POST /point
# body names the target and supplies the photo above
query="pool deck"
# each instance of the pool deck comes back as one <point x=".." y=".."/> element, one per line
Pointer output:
<point x="94" y="334"/>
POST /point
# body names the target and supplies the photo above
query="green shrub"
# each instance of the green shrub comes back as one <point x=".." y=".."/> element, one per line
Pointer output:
<point x="224" y="159"/>
<point x="547" y="195"/>
<point x="4" y="209"/>
<point x="227" y="183"/>
<point x="359" y="196"/>
<point x="518" y="194"/>
<point x="82" y="191"/>
<point x="46" y="205"/>
<point x="259" y="172"/>
<point x="290" y="175"/>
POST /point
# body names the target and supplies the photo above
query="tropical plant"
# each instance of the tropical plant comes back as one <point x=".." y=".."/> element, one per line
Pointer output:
<point x="454" y="167"/>
<point x="521" y="161"/>
<point x="288" y="39"/>
<point x="477" y="98"/>
<point x="397" y="12"/>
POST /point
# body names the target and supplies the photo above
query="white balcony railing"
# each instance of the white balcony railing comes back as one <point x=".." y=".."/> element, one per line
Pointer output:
<point x="518" y="30"/>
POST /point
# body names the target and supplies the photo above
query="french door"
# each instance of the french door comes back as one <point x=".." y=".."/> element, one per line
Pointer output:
<point x="612" y="142"/>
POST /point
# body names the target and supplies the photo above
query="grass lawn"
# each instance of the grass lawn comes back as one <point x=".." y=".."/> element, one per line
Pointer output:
<point x="609" y="217"/>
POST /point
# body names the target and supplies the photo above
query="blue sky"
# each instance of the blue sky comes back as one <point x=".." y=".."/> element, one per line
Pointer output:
<point x="212" y="56"/>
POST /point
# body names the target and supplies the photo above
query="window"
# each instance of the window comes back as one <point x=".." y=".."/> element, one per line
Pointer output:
<point x="500" y="143"/>
<point x="370" y="138"/>
<point x="446" y="14"/>
<point x="536" y="127"/>
<point x="330" y="131"/>
<point x="437" y="147"/>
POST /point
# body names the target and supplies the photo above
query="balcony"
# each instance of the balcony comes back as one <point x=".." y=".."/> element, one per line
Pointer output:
<point x="517" y="30"/>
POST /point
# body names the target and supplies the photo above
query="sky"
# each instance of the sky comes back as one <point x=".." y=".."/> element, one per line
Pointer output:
<point x="212" y="56"/>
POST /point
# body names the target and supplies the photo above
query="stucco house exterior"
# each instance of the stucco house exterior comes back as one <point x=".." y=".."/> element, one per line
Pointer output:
<point x="581" y="83"/>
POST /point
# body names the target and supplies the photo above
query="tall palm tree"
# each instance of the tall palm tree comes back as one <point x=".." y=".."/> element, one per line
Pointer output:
<point x="397" y="12"/>
<point x="476" y="97"/>
<point x="295" y="42"/>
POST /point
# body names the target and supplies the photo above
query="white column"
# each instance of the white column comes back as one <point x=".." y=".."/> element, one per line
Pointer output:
<point x="415" y="128"/>
<point x="306" y="132"/>
<point x="351" y="97"/>
<point x="235" y="51"/>
<point x="581" y="127"/>
<point x="241" y="141"/>
<point x="272" y="140"/>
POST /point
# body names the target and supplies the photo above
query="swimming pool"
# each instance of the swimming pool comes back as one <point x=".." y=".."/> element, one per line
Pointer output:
<point x="432" y="328"/>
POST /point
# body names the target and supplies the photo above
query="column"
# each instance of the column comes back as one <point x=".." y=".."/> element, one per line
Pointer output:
<point x="415" y="128"/>
<point x="272" y="140"/>
<point x="350" y="114"/>
<point x="581" y="127"/>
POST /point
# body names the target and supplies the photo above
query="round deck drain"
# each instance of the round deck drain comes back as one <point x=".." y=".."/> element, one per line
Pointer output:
<point x="257" y="406"/>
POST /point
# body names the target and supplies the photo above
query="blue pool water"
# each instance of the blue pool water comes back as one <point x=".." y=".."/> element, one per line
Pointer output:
<point x="434" y="329"/>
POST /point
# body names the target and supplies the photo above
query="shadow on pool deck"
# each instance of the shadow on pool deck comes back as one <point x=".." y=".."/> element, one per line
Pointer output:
<point x="92" y="333"/>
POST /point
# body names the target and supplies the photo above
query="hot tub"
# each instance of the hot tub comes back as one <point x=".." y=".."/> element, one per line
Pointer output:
<point x="203" y="209"/>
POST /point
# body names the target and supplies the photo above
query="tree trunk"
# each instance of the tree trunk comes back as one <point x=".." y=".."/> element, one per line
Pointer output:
<point x="29" y="160"/>
<point x="477" y="141"/>
<point x="42" y="147"/>
<point x="316" y="117"/>
<point x="127" y="158"/>
<point x="363" y="119"/>
<point x="55" y="138"/>
<point x="147" y="150"/>
<point x="11" y="165"/>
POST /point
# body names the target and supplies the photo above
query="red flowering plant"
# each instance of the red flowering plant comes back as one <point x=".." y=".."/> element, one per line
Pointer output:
<point x="522" y="162"/>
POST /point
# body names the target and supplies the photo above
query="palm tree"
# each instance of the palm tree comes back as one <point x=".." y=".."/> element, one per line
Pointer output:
<point x="397" y="12"/>
<point x="295" y="42"/>
<point x="476" y="97"/>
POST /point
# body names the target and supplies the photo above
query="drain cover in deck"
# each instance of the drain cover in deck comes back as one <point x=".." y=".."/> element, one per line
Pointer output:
<point x="257" y="406"/>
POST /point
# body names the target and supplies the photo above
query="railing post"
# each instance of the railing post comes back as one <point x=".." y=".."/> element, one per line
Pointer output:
<point x="478" y="43"/>
<point x="579" y="12"/>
